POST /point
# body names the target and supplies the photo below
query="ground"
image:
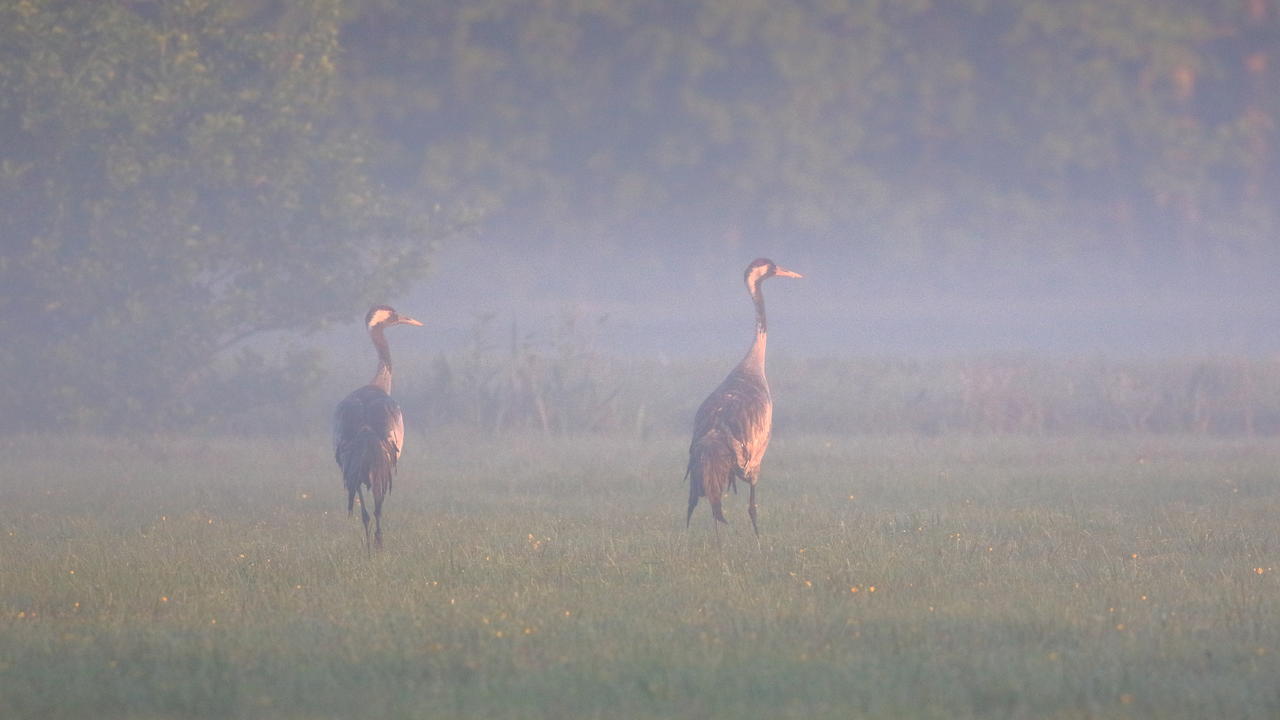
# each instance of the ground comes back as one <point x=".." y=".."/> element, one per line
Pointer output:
<point x="894" y="577"/>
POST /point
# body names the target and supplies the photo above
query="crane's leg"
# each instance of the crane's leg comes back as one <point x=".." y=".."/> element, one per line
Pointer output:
<point x="364" y="517"/>
<point x="751" y="507"/>
<point x="377" y="520"/>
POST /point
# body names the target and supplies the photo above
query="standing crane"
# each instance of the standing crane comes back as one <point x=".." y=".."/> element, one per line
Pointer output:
<point x="731" y="429"/>
<point x="368" y="427"/>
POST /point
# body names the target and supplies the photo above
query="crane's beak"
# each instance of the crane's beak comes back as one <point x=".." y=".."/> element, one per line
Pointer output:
<point x="783" y="272"/>
<point x="406" y="320"/>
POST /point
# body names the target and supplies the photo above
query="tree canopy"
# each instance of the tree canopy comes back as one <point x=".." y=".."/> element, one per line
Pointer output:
<point x="913" y="130"/>
<point x="173" y="180"/>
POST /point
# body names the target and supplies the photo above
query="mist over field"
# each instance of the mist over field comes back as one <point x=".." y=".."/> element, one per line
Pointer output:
<point x="191" y="191"/>
<point x="1024" y="457"/>
<point x="653" y="302"/>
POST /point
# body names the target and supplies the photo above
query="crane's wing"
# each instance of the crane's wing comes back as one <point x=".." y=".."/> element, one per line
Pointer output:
<point x="372" y="410"/>
<point x="395" y="427"/>
<point x="742" y="411"/>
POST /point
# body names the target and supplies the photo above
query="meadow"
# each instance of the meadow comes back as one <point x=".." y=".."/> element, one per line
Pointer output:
<point x="525" y="576"/>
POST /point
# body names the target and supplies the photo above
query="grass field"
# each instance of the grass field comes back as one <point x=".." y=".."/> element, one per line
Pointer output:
<point x="955" y="577"/>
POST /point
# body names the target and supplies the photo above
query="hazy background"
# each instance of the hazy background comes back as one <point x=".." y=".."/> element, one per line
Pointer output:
<point x="1012" y="216"/>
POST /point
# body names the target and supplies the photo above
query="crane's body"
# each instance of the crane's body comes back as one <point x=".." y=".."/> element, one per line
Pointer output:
<point x="732" y="427"/>
<point x="368" y="428"/>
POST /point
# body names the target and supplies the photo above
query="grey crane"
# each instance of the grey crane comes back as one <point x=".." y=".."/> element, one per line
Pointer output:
<point x="368" y="428"/>
<point x="731" y="429"/>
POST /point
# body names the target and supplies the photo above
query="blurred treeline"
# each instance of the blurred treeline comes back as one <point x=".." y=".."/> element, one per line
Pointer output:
<point x="1137" y="131"/>
<point x="180" y="178"/>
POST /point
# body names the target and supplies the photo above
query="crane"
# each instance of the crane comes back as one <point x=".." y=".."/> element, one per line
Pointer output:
<point x="732" y="426"/>
<point x="368" y="427"/>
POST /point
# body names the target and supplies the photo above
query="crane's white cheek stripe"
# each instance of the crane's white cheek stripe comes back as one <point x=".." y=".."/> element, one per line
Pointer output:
<point x="378" y="317"/>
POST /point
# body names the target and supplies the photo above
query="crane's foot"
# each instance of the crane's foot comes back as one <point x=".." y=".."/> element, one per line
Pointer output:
<point x="751" y="510"/>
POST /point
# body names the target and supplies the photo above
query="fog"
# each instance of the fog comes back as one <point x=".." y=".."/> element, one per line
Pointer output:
<point x="192" y="228"/>
<point x="653" y="303"/>
<point x="1022" y="410"/>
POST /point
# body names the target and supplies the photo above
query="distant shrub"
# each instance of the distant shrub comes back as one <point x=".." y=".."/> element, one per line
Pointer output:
<point x="563" y="383"/>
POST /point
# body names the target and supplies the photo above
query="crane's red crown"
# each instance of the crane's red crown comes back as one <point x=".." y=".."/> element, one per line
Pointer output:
<point x="762" y="268"/>
<point x="386" y="316"/>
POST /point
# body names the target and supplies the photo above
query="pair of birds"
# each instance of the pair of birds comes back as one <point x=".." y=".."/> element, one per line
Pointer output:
<point x="730" y="431"/>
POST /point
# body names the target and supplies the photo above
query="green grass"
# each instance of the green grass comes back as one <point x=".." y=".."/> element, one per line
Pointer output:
<point x="1013" y="577"/>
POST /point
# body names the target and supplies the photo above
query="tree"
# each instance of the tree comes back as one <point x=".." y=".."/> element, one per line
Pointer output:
<point x="173" y="183"/>
<point x="918" y="132"/>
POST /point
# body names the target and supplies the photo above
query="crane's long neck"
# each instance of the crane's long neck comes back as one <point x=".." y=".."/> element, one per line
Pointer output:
<point x="754" y="360"/>
<point x="382" y="377"/>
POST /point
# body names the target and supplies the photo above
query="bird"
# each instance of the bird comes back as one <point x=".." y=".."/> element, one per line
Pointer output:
<point x="368" y="427"/>
<point x="731" y="428"/>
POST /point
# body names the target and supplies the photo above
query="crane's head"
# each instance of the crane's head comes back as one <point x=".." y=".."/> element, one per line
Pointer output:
<point x="384" y="316"/>
<point x="762" y="268"/>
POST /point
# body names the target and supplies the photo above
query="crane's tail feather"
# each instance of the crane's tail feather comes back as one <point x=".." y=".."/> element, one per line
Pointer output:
<point x="710" y="472"/>
<point x="695" y="491"/>
<point x="367" y="461"/>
